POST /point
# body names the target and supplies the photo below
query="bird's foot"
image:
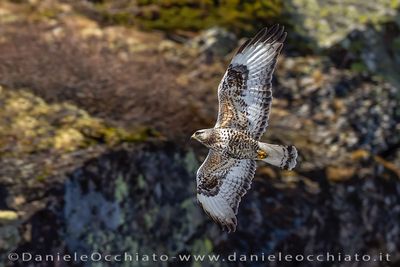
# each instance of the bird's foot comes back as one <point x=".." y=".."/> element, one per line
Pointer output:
<point x="261" y="154"/>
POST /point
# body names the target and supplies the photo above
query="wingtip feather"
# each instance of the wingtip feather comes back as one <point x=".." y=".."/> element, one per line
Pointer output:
<point x="219" y="210"/>
<point x="274" y="35"/>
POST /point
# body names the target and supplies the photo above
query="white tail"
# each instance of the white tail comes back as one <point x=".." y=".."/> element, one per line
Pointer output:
<point x="280" y="156"/>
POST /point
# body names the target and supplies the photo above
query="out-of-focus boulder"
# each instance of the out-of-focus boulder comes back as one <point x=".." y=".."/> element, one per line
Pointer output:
<point x="328" y="22"/>
<point x="375" y="49"/>
<point x="360" y="35"/>
<point x="215" y="41"/>
<point x="329" y="112"/>
<point x="136" y="200"/>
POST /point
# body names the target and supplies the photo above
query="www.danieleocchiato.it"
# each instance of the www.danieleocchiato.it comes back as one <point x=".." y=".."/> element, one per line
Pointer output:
<point x="233" y="257"/>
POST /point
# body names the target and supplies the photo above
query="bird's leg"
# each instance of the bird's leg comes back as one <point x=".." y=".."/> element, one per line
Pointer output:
<point x="261" y="154"/>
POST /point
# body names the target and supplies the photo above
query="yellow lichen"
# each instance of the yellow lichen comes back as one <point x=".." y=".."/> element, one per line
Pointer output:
<point x="28" y="124"/>
<point x="68" y="139"/>
<point x="360" y="154"/>
<point x="338" y="174"/>
<point x="8" y="215"/>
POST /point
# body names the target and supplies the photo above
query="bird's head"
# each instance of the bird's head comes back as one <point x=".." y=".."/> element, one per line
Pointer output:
<point x="202" y="135"/>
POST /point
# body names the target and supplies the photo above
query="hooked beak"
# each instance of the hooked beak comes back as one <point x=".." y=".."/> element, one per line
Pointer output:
<point x="193" y="136"/>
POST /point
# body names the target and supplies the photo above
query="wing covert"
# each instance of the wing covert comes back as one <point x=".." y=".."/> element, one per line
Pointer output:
<point x="244" y="92"/>
<point x="221" y="183"/>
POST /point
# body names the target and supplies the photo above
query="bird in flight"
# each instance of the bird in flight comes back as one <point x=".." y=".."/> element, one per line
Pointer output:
<point x="244" y="96"/>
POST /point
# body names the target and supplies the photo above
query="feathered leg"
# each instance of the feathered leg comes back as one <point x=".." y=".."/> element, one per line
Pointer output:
<point x="277" y="155"/>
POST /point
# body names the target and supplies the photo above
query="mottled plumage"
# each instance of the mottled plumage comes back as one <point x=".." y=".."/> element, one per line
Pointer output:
<point x="245" y="97"/>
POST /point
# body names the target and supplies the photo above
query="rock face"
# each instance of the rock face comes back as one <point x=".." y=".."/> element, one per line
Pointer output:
<point x="344" y="111"/>
<point x="375" y="49"/>
<point x="142" y="200"/>
<point x="360" y="35"/>
<point x="127" y="200"/>
<point x="327" y="22"/>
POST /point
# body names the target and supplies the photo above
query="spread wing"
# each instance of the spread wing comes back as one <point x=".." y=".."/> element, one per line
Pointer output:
<point x="244" y="93"/>
<point x="221" y="182"/>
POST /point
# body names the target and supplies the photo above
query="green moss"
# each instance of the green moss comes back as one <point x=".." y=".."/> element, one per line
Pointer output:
<point x="48" y="13"/>
<point x="121" y="189"/>
<point x="43" y="175"/>
<point x="328" y="22"/>
<point x="120" y="18"/>
<point x="150" y="217"/>
<point x="112" y="136"/>
<point x="396" y="43"/>
<point x="201" y="247"/>
<point x="191" y="163"/>
<point x="358" y="67"/>
<point x="194" y="15"/>
<point x="356" y="46"/>
<point x="30" y="125"/>
<point x="141" y="182"/>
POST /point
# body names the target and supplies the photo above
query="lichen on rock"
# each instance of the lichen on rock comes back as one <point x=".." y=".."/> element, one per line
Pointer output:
<point x="29" y="124"/>
<point x="327" y="22"/>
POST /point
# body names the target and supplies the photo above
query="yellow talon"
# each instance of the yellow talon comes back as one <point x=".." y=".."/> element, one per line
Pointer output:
<point x="261" y="154"/>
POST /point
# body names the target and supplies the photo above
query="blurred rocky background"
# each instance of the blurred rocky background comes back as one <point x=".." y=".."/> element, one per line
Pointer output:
<point x="98" y="100"/>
